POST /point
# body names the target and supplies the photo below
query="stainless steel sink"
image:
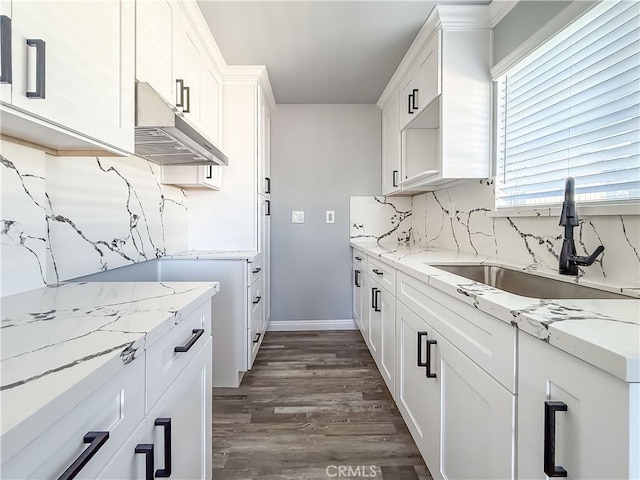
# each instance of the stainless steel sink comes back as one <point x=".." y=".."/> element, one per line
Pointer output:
<point x="526" y="284"/>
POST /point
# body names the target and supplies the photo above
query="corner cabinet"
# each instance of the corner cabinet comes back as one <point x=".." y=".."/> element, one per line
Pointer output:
<point x="573" y="418"/>
<point x="68" y="82"/>
<point x="437" y="106"/>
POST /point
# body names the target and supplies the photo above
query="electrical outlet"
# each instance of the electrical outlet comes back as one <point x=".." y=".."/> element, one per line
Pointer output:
<point x="330" y="216"/>
<point x="297" y="216"/>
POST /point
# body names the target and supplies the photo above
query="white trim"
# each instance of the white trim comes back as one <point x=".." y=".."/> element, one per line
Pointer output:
<point x="632" y="208"/>
<point x="548" y="31"/>
<point x="250" y="75"/>
<point x="299" y="325"/>
<point x="498" y="9"/>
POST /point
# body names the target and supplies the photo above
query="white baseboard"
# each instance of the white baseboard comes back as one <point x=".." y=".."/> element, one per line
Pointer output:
<point x="298" y="325"/>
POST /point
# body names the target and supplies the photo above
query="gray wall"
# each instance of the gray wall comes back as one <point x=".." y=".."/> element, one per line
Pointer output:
<point x="525" y="19"/>
<point x="320" y="156"/>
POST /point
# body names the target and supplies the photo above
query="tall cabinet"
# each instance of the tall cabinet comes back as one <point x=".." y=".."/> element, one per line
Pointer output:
<point x="238" y="216"/>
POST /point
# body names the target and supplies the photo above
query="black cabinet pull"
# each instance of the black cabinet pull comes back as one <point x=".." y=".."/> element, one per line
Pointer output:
<point x="550" y="467"/>
<point x="395" y="178"/>
<point x="414" y="99"/>
<point x="268" y="204"/>
<point x="410" y="103"/>
<point x="5" y="49"/>
<point x="147" y="450"/>
<point x="95" y="441"/>
<point x="257" y="300"/>
<point x="428" y="363"/>
<point x="209" y="171"/>
<point x="420" y="362"/>
<point x="357" y="278"/>
<point x="166" y="424"/>
<point x="197" y="333"/>
<point x="373" y="298"/>
<point x="187" y="107"/>
<point x="359" y="259"/>
<point x="256" y="270"/>
<point x="179" y="92"/>
<point x="41" y="61"/>
<point x="377" y="272"/>
<point x="268" y="185"/>
<point x="377" y="307"/>
<point x="258" y="335"/>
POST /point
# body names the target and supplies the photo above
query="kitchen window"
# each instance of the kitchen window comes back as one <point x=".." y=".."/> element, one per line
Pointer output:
<point x="572" y="108"/>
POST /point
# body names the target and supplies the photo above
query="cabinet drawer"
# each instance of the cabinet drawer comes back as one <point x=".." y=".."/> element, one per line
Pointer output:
<point x="384" y="274"/>
<point x="256" y="267"/>
<point x="116" y="407"/>
<point x="487" y="341"/>
<point x="360" y="260"/>
<point x="164" y="364"/>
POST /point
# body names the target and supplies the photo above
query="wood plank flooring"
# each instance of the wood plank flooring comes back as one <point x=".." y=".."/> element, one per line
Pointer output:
<point x="314" y="406"/>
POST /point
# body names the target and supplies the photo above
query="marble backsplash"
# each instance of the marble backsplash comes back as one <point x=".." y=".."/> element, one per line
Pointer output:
<point x="64" y="217"/>
<point x="459" y="218"/>
<point x="382" y="219"/>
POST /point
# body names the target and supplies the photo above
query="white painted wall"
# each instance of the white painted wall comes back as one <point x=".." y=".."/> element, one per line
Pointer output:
<point x="320" y="156"/>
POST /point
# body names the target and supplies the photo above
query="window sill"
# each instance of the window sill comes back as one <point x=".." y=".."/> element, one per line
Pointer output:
<point x="583" y="210"/>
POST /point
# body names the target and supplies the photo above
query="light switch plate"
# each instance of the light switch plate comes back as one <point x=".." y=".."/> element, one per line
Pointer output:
<point x="297" y="216"/>
<point x="330" y="216"/>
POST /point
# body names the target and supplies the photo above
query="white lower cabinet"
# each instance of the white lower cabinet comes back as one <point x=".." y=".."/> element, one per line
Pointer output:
<point x="573" y="418"/>
<point x="381" y="330"/>
<point x="356" y="296"/>
<point x="176" y="433"/>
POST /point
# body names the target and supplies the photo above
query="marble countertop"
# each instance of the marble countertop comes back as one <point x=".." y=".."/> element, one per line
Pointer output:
<point x="213" y="255"/>
<point x="604" y="333"/>
<point x="62" y="342"/>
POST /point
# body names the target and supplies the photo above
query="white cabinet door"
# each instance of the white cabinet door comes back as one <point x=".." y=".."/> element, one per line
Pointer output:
<point x="153" y="46"/>
<point x="256" y="319"/>
<point x="264" y="146"/>
<point x="356" y="291"/>
<point x="429" y="72"/>
<point x="418" y="396"/>
<point x="408" y="102"/>
<point x="374" y="334"/>
<point x="365" y="315"/>
<point x="211" y="176"/>
<point x="387" y="305"/>
<point x="391" y="147"/>
<point x="210" y="99"/>
<point x="5" y="61"/>
<point x="186" y="65"/>
<point x="590" y="411"/>
<point x="197" y="176"/>
<point x="73" y="65"/>
<point x="477" y="419"/>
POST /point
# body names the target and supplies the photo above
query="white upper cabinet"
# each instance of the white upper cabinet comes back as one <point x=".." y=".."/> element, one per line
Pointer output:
<point x="6" y="73"/>
<point x="443" y="88"/>
<point x="210" y="98"/>
<point x="186" y="65"/>
<point x="391" y="146"/>
<point x="72" y="66"/>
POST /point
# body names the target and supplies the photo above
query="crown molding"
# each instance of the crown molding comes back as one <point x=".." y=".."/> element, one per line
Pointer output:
<point x="250" y="75"/>
<point x="498" y="9"/>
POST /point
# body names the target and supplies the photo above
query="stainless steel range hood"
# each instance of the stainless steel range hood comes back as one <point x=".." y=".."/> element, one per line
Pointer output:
<point x="165" y="137"/>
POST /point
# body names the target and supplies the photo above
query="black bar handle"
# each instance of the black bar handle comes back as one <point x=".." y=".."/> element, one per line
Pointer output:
<point x="550" y="467"/>
<point x="209" y="171"/>
<point x="41" y="62"/>
<point x="357" y="278"/>
<point x="420" y="362"/>
<point x="414" y="99"/>
<point x="166" y="424"/>
<point x="187" y="107"/>
<point x="377" y="307"/>
<point x="147" y="450"/>
<point x="258" y="335"/>
<point x="377" y="272"/>
<point x="428" y="364"/>
<point x="179" y="92"/>
<point x="257" y="300"/>
<point x="95" y="440"/>
<point x="268" y="204"/>
<point x="410" y="103"/>
<point x="373" y="298"/>
<point x="358" y="258"/>
<point x="197" y="333"/>
<point x="268" y="185"/>
<point x="5" y="50"/>
<point x="395" y="178"/>
<point x="256" y="270"/>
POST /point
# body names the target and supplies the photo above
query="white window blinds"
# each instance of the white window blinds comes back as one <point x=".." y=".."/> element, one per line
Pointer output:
<point x="572" y="108"/>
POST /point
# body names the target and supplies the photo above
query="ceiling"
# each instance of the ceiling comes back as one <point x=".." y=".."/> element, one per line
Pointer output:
<point x="319" y="51"/>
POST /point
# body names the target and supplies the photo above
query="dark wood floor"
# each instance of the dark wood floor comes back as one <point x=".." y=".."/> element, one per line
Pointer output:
<point x="314" y="406"/>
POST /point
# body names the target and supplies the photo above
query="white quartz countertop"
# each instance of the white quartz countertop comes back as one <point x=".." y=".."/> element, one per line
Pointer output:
<point x="59" y="343"/>
<point x="604" y="333"/>
<point x="213" y="255"/>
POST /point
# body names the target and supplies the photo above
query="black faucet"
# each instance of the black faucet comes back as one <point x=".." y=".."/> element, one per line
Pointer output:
<point x="569" y="261"/>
